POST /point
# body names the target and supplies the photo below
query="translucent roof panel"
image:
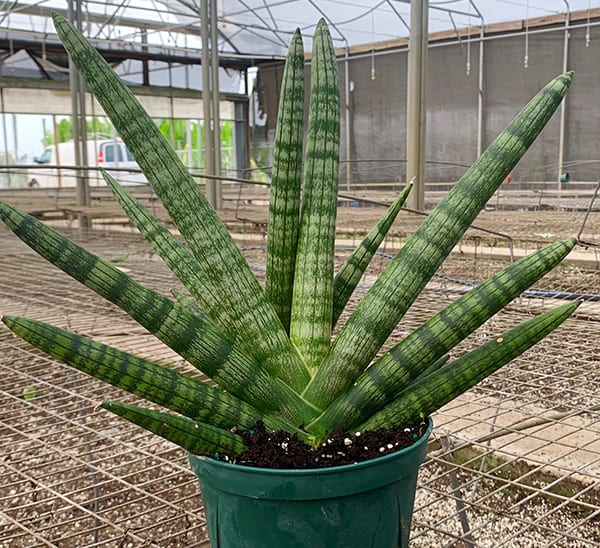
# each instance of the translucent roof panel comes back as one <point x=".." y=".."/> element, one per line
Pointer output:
<point x="262" y="28"/>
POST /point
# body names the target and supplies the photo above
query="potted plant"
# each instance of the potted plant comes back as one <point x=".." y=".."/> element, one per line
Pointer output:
<point x="278" y="377"/>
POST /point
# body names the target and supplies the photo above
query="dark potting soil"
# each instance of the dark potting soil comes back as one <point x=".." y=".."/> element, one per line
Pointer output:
<point x="279" y="449"/>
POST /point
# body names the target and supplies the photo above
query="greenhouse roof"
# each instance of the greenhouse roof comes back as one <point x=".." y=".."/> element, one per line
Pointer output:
<point x="257" y="29"/>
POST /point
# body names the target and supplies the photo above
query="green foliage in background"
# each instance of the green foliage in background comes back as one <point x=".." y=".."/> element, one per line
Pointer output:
<point x="64" y="128"/>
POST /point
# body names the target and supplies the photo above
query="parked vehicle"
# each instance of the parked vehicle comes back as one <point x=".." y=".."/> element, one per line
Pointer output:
<point x="109" y="154"/>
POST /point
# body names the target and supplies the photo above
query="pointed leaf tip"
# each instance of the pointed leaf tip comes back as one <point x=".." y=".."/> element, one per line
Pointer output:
<point x="8" y="321"/>
<point x="322" y="26"/>
<point x="566" y="77"/>
<point x="59" y="20"/>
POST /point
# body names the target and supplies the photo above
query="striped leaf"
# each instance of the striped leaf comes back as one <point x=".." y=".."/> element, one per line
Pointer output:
<point x="312" y="299"/>
<point x="195" y="337"/>
<point x="434" y="391"/>
<point x="224" y="270"/>
<point x="197" y="437"/>
<point x="405" y="277"/>
<point x="351" y="272"/>
<point x="185" y="266"/>
<point x="380" y="383"/>
<point x="435" y="366"/>
<point x="188" y="302"/>
<point x="286" y="185"/>
<point x="151" y="381"/>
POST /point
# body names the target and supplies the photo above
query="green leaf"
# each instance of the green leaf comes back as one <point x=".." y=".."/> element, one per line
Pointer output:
<point x="381" y="382"/>
<point x="120" y="259"/>
<point x="197" y="437"/>
<point x="185" y="266"/>
<point x="151" y="381"/>
<point x="188" y="302"/>
<point x="286" y="185"/>
<point x="312" y="301"/>
<point x="406" y="276"/>
<point x="351" y="272"/>
<point x="434" y="391"/>
<point x="29" y="393"/>
<point x="435" y="366"/>
<point x="224" y="270"/>
<point x="195" y="337"/>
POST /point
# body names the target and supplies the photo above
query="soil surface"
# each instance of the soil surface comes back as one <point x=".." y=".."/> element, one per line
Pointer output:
<point x="279" y="449"/>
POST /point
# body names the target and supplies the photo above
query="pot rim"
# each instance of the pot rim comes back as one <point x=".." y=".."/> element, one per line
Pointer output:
<point x="318" y="471"/>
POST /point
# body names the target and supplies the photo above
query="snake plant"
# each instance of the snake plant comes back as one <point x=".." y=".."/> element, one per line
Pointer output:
<point x="269" y="351"/>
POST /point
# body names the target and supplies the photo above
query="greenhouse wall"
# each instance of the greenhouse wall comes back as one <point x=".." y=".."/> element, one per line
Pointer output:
<point x="375" y="142"/>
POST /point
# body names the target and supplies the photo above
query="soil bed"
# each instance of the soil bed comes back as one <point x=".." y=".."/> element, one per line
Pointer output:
<point x="281" y="450"/>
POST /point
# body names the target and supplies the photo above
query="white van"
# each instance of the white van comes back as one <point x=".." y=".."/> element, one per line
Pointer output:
<point x="105" y="153"/>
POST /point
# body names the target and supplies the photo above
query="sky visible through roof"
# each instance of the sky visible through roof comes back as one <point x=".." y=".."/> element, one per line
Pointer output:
<point x="267" y="23"/>
<point x="263" y="27"/>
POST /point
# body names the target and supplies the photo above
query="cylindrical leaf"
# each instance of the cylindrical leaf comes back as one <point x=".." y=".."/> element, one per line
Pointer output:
<point x="189" y="271"/>
<point x="197" y="437"/>
<point x="232" y="285"/>
<point x="313" y="282"/>
<point x="381" y="382"/>
<point x="151" y="381"/>
<point x="286" y="185"/>
<point x="434" y="391"/>
<point x="405" y="277"/>
<point x="195" y="337"/>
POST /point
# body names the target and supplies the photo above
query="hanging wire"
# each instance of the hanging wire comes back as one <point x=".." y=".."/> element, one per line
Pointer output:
<point x="587" y="30"/>
<point x="221" y="17"/>
<point x="526" y="57"/>
<point x="373" y="73"/>
<point x="11" y="51"/>
<point x="468" y="70"/>
<point x="45" y="36"/>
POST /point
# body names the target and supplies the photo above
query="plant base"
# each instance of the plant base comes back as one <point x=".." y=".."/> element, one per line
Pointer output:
<point x="365" y="504"/>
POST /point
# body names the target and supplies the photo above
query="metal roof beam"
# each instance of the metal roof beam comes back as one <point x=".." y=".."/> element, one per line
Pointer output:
<point x="101" y="19"/>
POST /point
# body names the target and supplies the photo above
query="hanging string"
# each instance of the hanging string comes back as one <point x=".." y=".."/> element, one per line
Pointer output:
<point x="587" y="30"/>
<point x="468" y="71"/>
<point x="526" y="57"/>
<point x="373" y="74"/>
<point x="222" y="16"/>
<point x="44" y="55"/>
<point x="11" y="52"/>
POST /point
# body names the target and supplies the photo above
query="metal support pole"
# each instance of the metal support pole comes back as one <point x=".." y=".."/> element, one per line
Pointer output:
<point x="240" y="133"/>
<point x="189" y="144"/>
<point x="15" y="138"/>
<point x="563" y="106"/>
<point x="5" y="137"/>
<point x="210" y="100"/>
<point x="56" y="148"/>
<point x="206" y="102"/>
<point x="216" y="118"/>
<point x="76" y="87"/>
<point x="347" y="117"/>
<point x="480" y="111"/>
<point x="145" y="64"/>
<point x="461" y="507"/>
<point x="416" y="101"/>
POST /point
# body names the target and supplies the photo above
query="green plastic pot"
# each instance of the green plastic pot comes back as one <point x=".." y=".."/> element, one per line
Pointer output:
<point x="351" y="506"/>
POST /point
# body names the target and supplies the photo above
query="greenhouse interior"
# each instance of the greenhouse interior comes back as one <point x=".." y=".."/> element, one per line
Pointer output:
<point x="425" y="88"/>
